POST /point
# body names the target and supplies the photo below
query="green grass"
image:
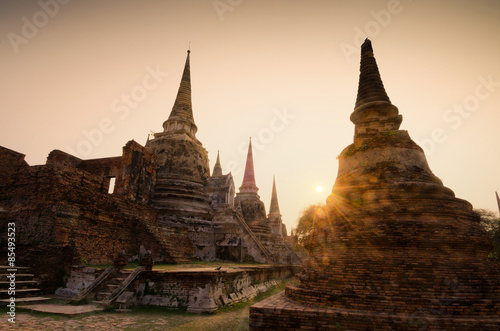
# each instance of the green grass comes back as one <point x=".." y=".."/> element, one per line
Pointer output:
<point x="202" y="264"/>
<point x="235" y="317"/>
<point x="192" y="264"/>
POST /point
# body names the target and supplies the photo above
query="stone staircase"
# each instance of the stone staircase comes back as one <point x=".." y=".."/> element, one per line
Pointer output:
<point x="112" y="284"/>
<point x="26" y="286"/>
<point x="175" y="243"/>
<point x="115" y="290"/>
<point x="275" y="245"/>
<point x="250" y="232"/>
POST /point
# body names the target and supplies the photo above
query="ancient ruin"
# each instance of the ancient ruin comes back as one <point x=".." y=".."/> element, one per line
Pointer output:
<point x="163" y="202"/>
<point x="395" y="249"/>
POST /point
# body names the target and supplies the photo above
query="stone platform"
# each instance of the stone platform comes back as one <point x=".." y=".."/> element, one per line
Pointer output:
<point x="197" y="289"/>
<point x="280" y="313"/>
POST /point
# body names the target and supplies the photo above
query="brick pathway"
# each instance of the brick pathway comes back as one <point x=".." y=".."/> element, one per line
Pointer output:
<point x="142" y="320"/>
<point x="28" y="322"/>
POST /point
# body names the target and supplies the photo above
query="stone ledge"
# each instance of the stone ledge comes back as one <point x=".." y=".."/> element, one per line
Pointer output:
<point x="278" y="312"/>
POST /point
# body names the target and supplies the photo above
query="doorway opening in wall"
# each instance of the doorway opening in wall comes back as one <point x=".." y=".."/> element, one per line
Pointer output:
<point x="112" y="182"/>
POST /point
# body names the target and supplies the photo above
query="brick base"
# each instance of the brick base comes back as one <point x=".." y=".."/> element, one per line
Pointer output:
<point x="280" y="313"/>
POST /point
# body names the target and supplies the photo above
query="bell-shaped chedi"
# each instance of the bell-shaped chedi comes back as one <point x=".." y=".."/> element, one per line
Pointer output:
<point x="182" y="166"/>
<point x="394" y="248"/>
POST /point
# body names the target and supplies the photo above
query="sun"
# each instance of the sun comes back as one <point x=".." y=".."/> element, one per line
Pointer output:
<point x="319" y="188"/>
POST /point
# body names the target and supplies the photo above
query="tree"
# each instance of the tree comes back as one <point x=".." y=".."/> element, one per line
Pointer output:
<point x="491" y="224"/>
<point x="306" y="222"/>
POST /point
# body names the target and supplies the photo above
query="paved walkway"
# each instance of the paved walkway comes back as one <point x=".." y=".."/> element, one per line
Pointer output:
<point x="143" y="320"/>
<point x="64" y="309"/>
<point x="29" y="322"/>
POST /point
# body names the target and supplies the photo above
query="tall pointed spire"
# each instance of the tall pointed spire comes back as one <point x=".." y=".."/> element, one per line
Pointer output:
<point x="370" y="87"/>
<point x="182" y="111"/>
<point x="373" y="111"/>
<point x="248" y="185"/>
<point x="498" y="202"/>
<point x="274" y="208"/>
<point x="217" y="167"/>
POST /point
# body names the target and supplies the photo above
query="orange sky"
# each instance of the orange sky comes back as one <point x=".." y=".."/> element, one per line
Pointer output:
<point x="282" y="71"/>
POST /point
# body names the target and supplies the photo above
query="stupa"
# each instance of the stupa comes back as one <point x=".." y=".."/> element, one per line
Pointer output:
<point x="394" y="248"/>
<point x="182" y="169"/>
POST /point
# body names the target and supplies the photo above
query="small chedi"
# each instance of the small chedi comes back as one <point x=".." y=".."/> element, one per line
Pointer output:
<point x="394" y="249"/>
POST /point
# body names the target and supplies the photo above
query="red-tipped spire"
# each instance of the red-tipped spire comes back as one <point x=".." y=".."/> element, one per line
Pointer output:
<point x="248" y="185"/>
<point x="274" y="208"/>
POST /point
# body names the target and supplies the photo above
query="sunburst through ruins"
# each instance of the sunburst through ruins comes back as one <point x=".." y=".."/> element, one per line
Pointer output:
<point x="396" y="249"/>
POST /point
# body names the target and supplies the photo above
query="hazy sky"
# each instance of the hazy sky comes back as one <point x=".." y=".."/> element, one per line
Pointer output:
<point x="86" y="76"/>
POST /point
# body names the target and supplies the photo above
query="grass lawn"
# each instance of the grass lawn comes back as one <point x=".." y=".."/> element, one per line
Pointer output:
<point x="192" y="264"/>
<point x="139" y="318"/>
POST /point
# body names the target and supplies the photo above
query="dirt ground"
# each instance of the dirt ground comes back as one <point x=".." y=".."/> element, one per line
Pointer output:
<point x="140" y="318"/>
<point x="137" y="320"/>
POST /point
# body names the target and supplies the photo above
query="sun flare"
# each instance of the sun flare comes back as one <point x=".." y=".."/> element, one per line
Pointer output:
<point x="319" y="188"/>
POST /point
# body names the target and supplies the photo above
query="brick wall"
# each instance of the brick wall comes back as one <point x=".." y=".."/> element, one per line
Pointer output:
<point x="64" y="215"/>
<point x="10" y="163"/>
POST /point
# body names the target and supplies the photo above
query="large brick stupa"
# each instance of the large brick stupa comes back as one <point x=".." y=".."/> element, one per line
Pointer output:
<point x="394" y="249"/>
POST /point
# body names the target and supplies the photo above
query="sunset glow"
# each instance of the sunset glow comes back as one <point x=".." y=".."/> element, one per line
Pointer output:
<point x="283" y="72"/>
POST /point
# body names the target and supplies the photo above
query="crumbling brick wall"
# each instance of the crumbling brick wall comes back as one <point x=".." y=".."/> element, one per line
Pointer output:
<point x="137" y="173"/>
<point x="10" y="163"/>
<point x="64" y="214"/>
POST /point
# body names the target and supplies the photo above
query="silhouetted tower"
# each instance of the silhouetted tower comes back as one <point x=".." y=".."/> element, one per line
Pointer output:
<point x="182" y="167"/>
<point x="274" y="215"/>
<point x="217" y="167"/>
<point x="393" y="240"/>
<point x="498" y="202"/>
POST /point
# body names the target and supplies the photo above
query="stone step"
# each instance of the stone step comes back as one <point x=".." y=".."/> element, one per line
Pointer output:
<point x="4" y="268"/>
<point x="102" y="295"/>
<point x="19" y="284"/>
<point x="164" y="237"/>
<point x="20" y="293"/>
<point x="24" y="290"/>
<point x="27" y="300"/>
<point x="3" y="276"/>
